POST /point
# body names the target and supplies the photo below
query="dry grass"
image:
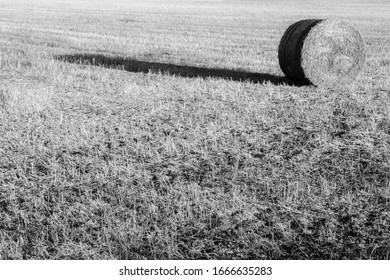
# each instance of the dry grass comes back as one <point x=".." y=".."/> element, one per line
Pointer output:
<point x="149" y="130"/>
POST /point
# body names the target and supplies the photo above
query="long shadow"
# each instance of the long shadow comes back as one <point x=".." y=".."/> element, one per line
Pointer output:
<point x="133" y="65"/>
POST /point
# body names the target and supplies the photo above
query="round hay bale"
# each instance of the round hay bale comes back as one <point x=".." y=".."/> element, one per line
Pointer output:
<point x="326" y="53"/>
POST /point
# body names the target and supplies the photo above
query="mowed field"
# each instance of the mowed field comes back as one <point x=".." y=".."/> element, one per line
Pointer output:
<point x="166" y="130"/>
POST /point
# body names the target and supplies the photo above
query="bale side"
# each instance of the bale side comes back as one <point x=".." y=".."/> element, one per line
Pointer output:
<point x="290" y="49"/>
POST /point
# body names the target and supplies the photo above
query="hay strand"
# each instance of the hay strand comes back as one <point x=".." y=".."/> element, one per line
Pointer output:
<point x="326" y="53"/>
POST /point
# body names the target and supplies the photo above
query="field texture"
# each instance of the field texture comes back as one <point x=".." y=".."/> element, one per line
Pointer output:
<point x="166" y="130"/>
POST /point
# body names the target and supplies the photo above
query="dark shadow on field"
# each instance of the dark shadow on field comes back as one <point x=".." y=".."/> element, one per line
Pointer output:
<point x="133" y="65"/>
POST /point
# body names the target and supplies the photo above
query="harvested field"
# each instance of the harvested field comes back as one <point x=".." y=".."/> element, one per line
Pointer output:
<point x="167" y="130"/>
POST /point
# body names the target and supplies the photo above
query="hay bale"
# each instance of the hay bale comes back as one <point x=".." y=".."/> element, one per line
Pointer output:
<point x="326" y="53"/>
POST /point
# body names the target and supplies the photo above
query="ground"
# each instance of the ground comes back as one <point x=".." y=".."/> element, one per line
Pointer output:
<point x="166" y="130"/>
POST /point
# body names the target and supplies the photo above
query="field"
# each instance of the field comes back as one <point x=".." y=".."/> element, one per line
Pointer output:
<point x="166" y="130"/>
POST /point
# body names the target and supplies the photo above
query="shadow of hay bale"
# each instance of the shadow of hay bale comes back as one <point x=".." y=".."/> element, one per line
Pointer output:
<point x="137" y="66"/>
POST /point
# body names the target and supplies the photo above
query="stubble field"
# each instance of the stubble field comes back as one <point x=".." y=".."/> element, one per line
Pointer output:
<point x="166" y="130"/>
